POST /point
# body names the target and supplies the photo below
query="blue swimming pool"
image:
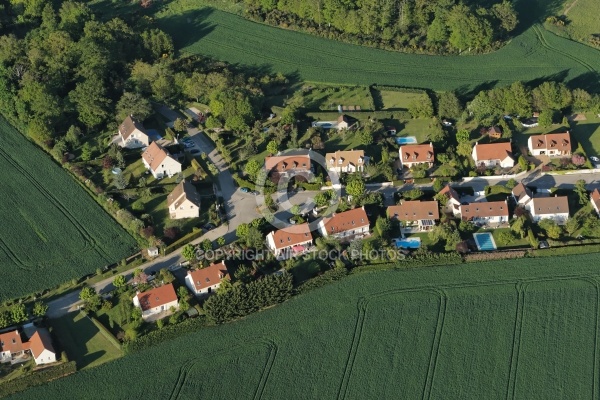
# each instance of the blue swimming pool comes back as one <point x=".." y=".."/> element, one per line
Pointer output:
<point x="406" y="140"/>
<point x="411" y="243"/>
<point x="484" y="241"/>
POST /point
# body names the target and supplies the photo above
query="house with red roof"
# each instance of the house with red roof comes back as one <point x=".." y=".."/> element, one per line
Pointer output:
<point x="206" y="280"/>
<point x="11" y="346"/>
<point x="595" y="200"/>
<point x="290" y="241"/>
<point x="160" y="162"/>
<point x="416" y="215"/>
<point x="415" y="154"/>
<point x="451" y="205"/>
<point x="550" y="144"/>
<point x="157" y="302"/>
<point x="493" y="154"/>
<point x="346" y="225"/>
<point x="40" y="347"/>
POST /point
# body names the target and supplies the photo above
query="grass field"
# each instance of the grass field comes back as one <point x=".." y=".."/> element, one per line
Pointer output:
<point x="582" y="19"/>
<point x="522" y="328"/>
<point x="393" y="100"/>
<point x="83" y="341"/>
<point x="533" y="55"/>
<point x="51" y="229"/>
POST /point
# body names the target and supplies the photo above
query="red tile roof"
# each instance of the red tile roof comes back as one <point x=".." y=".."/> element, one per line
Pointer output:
<point x="346" y="221"/>
<point x="157" y="297"/>
<point x="417" y="153"/>
<point x="39" y="342"/>
<point x="11" y="341"/>
<point x="129" y="125"/>
<point x="493" y="151"/>
<point x="287" y="162"/>
<point x="450" y="193"/>
<point x="291" y="235"/>
<point x="211" y="275"/>
<point x="595" y="198"/>
<point x="343" y="158"/>
<point x="520" y="191"/>
<point x="484" y="209"/>
<point x="550" y="205"/>
<point x="155" y="155"/>
<point x="415" y="210"/>
<point x="552" y="141"/>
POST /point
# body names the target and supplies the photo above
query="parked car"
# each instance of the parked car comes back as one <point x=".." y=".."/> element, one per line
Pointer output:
<point x="255" y="192"/>
<point x="595" y="159"/>
<point x="209" y="226"/>
<point x="174" y="267"/>
<point x="544" y="244"/>
<point x="188" y="145"/>
<point x="244" y="190"/>
<point x="195" y="151"/>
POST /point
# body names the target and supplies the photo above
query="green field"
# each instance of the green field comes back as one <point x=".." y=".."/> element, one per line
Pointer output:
<point x="524" y="328"/>
<point x="534" y="54"/>
<point x="582" y="19"/>
<point x="393" y="100"/>
<point x="83" y="341"/>
<point x="51" y="229"/>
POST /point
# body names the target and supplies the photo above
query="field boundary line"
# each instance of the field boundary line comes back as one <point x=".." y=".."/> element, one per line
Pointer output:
<point x="435" y="347"/>
<point x="516" y="348"/>
<point x="262" y="384"/>
<point x="360" y="320"/>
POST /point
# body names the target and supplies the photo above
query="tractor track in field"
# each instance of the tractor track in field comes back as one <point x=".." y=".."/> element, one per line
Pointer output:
<point x="88" y="238"/>
<point x="435" y="348"/>
<point x="518" y="329"/>
<point x="540" y="36"/>
<point x="594" y="281"/>
<point x="360" y="321"/>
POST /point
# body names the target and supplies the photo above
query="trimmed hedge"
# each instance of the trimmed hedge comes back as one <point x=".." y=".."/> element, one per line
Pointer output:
<point x="36" y="378"/>
<point x="565" y="250"/>
<point x="182" y="241"/>
<point x="326" y="278"/>
<point x="401" y="89"/>
<point x="104" y="331"/>
<point x="243" y="182"/>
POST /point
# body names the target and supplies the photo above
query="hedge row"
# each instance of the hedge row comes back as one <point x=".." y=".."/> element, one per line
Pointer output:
<point x="105" y="332"/>
<point x="195" y="234"/>
<point x="310" y="186"/>
<point x="565" y="250"/>
<point x="243" y="182"/>
<point x="503" y="255"/>
<point x="36" y="378"/>
<point x="324" y="279"/>
<point x="398" y="89"/>
<point x="168" y="332"/>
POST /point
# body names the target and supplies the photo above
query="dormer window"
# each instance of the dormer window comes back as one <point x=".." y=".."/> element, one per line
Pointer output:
<point x="331" y="161"/>
<point x="207" y="280"/>
<point x="340" y="161"/>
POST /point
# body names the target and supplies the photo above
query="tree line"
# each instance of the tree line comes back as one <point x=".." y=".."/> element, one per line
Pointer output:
<point x="434" y="26"/>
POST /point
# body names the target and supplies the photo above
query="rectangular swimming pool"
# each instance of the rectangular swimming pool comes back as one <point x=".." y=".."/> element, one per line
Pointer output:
<point x="484" y="241"/>
<point x="406" y="140"/>
<point x="409" y="243"/>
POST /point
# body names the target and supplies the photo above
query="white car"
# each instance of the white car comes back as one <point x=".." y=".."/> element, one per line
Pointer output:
<point x="595" y="159"/>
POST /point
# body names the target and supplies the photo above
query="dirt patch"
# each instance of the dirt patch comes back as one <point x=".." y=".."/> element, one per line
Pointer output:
<point x="577" y="117"/>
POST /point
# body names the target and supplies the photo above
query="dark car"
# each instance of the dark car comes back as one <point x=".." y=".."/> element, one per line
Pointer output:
<point x="195" y="151"/>
<point x="209" y="226"/>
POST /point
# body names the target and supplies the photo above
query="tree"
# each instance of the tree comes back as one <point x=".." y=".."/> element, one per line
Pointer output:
<point x="120" y="181"/>
<point x="506" y="14"/>
<point x="254" y="238"/>
<point x="252" y="167"/>
<point x="86" y="152"/>
<point x="188" y="252"/>
<point x="91" y="102"/>
<point x="519" y="226"/>
<point x="578" y="160"/>
<point x="72" y="136"/>
<point x="40" y="309"/>
<point x="5" y="319"/>
<point x="506" y="238"/>
<point x="295" y="209"/>
<point x="180" y="125"/>
<point x="119" y="281"/>
<point x="356" y="188"/>
<point x="133" y="104"/>
<point x="18" y="313"/>
<point x="383" y="227"/>
<point x="164" y="275"/>
<point x="573" y="225"/>
<point x="242" y="230"/>
<point x="523" y="163"/>
<point x="449" y="106"/>
<point x="582" y="100"/>
<point x="463" y="136"/>
<point x="581" y="191"/>
<point x="207" y="245"/>
<point x="366" y="137"/>
<point x="157" y="42"/>
<point x="546" y="117"/>
<point x="552" y="229"/>
<point x="272" y="147"/>
<point x="87" y="293"/>
<point x="421" y="108"/>
<point x="221" y="241"/>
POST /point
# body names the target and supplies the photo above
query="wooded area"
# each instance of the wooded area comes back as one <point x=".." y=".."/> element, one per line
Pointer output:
<point x="435" y="26"/>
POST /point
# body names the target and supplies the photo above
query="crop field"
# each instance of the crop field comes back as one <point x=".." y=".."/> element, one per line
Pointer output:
<point x="534" y="54"/>
<point x="582" y="19"/>
<point x="51" y="230"/>
<point x="524" y="328"/>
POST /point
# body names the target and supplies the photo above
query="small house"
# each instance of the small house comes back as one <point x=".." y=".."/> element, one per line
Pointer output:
<point x="206" y="280"/>
<point x="184" y="201"/>
<point x="522" y="195"/>
<point x="346" y="161"/>
<point x="346" y="225"/>
<point x="495" y="132"/>
<point x="493" y="155"/>
<point x="452" y="205"/>
<point x="486" y="212"/>
<point x="159" y="162"/>
<point x="133" y="134"/>
<point x="555" y="208"/>
<point x="415" y="216"/>
<point x="414" y="154"/>
<point x="11" y="346"/>
<point x="290" y="241"/>
<point x="550" y="144"/>
<point x="155" y="303"/>
<point x="40" y="346"/>
<point x="595" y="200"/>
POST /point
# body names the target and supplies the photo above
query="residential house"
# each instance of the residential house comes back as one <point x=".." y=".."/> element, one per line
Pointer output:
<point x="555" y="208"/>
<point x="346" y="225"/>
<point x="290" y="241"/>
<point x="155" y="301"/>
<point x="11" y="346"/>
<point x="522" y="195"/>
<point x="415" y="216"/>
<point x="595" y="200"/>
<point x="345" y="122"/>
<point x="204" y="281"/>
<point x="486" y="213"/>
<point x="293" y="164"/>
<point x="452" y="205"/>
<point x="495" y="132"/>
<point x="347" y="161"/>
<point x="159" y="162"/>
<point x="413" y="154"/>
<point x="184" y="201"/>
<point x="40" y="346"/>
<point x="133" y="134"/>
<point x="493" y="154"/>
<point x="550" y="144"/>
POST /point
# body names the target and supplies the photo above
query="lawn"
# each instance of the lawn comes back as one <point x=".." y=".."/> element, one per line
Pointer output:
<point x="517" y="242"/>
<point x="322" y="97"/>
<point x="393" y="100"/>
<point x="582" y="20"/>
<point x="52" y="230"/>
<point x="476" y="331"/>
<point x="535" y="53"/>
<point x="83" y="341"/>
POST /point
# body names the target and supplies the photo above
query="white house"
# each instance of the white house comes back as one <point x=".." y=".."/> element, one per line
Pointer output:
<point x="297" y="163"/>
<point x="344" y="122"/>
<point x="159" y="162"/>
<point x="206" y="280"/>
<point x="346" y="161"/>
<point x="493" y="154"/>
<point x="452" y="204"/>
<point x="415" y="216"/>
<point x="156" y="301"/>
<point x="346" y="225"/>
<point x="11" y="346"/>
<point x="595" y="200"/>
<point x="555" y="208"/>
<point x="184" y="201"/>
<point x="487" y="212"/>
<point x="133" y="134"/>
<point x="522" y="195"/>
<point x="550" y="144"/>
<point x="40" y="346"/>
<point x="290" y="241"/>
<point x="414" y="154"/>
